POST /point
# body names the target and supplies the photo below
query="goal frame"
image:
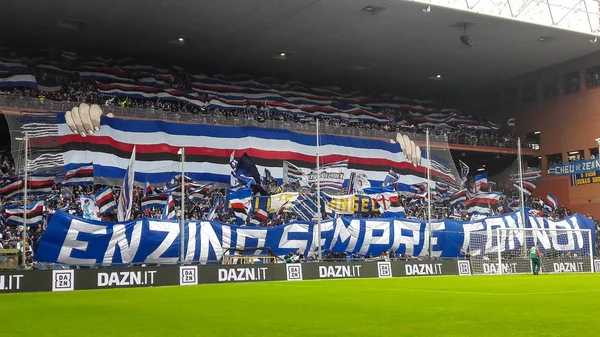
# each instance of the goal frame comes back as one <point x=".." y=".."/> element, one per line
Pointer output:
<point x="499" y="230"/>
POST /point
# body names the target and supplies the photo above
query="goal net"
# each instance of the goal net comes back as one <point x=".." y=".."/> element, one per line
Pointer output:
<point x="506" y="251"/>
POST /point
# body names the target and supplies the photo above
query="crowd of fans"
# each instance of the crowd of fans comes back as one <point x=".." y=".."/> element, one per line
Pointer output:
<point x="77" y="90"/>
<point x="67" y="198"/>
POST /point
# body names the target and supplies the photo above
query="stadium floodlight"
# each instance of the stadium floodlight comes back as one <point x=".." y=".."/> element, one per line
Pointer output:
<point x="506" y="250"/>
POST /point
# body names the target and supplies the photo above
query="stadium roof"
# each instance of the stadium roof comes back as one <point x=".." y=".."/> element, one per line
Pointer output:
<point x="389" y="45"/>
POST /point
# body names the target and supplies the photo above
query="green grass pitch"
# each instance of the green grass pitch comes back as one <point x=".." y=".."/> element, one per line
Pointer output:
<point x="523" y="305"/>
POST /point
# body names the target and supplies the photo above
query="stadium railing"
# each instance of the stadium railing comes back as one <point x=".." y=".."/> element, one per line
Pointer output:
<point x="24" y="103"/>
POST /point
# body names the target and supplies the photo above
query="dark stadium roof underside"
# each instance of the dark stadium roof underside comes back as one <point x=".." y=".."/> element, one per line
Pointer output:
<point x="396" y="49"/>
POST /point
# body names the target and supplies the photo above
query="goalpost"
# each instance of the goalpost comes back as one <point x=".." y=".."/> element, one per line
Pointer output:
<point x="506" y="250"/>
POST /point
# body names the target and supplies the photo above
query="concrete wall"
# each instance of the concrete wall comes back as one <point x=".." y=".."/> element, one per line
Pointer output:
<point x="567" y="123"/>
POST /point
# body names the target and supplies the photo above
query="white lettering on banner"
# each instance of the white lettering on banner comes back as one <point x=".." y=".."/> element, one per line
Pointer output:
<point x="564" y="225"/>
<point x="339" y="271"/>
<point x="492" y="268"/>
<point x="435" y="227"/>
<point x="540" y="235"/>
<point x="126" y="278"/>
<point x="467" y="229"/>
<point x="119" y="238"/>
<point x="173" y="231"/>
<point x="209" y="239"/>
<point x="71" y="242"/>
<point x="423" y="269"/>
<point x="259" y="234"/>
<point x="10" y="282"/>
<point x="568" y="267"/>
<point x="286" y="243"/>
<point x="492" y="224"/>
<point x="409" y="241"/>
<point x="342" y="234"/>
<point x="369" y="239"/>
<point x="243" y="274"/>
<point x="191" y="244"/>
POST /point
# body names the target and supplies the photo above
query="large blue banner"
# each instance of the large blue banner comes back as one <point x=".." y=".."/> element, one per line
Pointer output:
<point x="77" y="241"/>
<point x="574" y="167"/>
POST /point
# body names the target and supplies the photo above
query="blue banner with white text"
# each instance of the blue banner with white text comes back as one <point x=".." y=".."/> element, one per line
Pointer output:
<point x="574" y="167"/>
<point x="77" y="241"/>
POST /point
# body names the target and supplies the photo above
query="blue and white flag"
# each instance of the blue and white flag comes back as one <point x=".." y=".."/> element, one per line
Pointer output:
<point x="15" y="216"/>
<point x="212" y="214"/>
<point x="169" y="212"/>
<point x="105" y="200"/>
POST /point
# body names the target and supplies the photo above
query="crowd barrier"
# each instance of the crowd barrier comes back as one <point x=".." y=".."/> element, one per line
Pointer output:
<point x="140" y="277"/>
<point x="137" y="277"/>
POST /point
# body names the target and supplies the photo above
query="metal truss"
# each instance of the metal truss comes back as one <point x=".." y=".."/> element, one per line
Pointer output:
<point x="582" y="16"/>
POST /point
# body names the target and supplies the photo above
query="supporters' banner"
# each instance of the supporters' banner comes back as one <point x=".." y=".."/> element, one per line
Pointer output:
<point x="331" y="176"/>
<point x="585" y="178"/>
<point x="74" y="240"/>
<point x="208" y="148"/>
<point x="89" y="208"/>
<point x="15" y="216"/>
<point x="574" y="167"/>
<point x="351" y="204"/>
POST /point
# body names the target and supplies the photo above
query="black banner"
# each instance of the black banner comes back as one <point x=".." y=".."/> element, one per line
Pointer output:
<point x="25" y="281"/>
<point x="136" y="277"/>
<point x="585" y="178"/>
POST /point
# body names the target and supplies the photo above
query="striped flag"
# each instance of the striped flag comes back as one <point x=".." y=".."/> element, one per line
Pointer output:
<point x="241" y="204"/>
<point x="210" y="216"/>
<point x="40" y="184"/>
<point x="147" y="189"/>
<point x="11" y="189"/>
<point x="291" y="172"/>
<point x="391" y="178"/>
<point x="15" y="216"/>
<point x="154" y="201"/>
<point x="105" y="200"/>
<point x="528" y="187"/>
<point x="551" y="201"/>
<point x="481" y="182"/>
<point x="80" y="175"/>
<point x="482" y="203"/>
<point x="277" y="215"/>
<point x="384" y="196"/>
<point x="458" y="197"/>
<point x="126" y="196"/>
<point x="169" y="212"/>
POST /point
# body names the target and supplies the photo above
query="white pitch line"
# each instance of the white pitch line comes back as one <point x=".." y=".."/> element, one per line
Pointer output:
<point x="457" y="292"/>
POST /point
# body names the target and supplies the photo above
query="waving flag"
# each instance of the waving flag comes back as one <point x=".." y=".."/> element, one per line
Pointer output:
<point x="551" y="201"/>
<point x="391" y="178"/>
<point x="277" y="215"/>
<point x="331" y="176"/>
<point x="528" y="187"/>
<point x="147" y="189"/>
<point x="464" y="170"/>
<point x="11" y="189"/>
<point x="126" y="196"/>
<point x="105" y="200"/>
<point x="15" y="216"/>
<point x="241" y="204"/>
<point x="481" y="182"/>
<point x="169" y="212"/>
<point x="154" y="201"/>
<point x="305" y="207"/>
<point x="212" y="214"/>
<point x="291" y="172"/>
<point x="80" y="175"/>
<point x="384" y="196"/>
<point x="458" y="197"/>
<point x="40" y="184"/>
<point x="482" y="203"/>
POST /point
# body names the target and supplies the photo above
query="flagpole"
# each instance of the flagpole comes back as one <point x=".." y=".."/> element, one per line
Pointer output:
<point x="521" y="195"/>
<point x="25" y="181"/>
<point x="182" y="224"/>
<point x="428" y="145"/>
<point x="320" y="253"/>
